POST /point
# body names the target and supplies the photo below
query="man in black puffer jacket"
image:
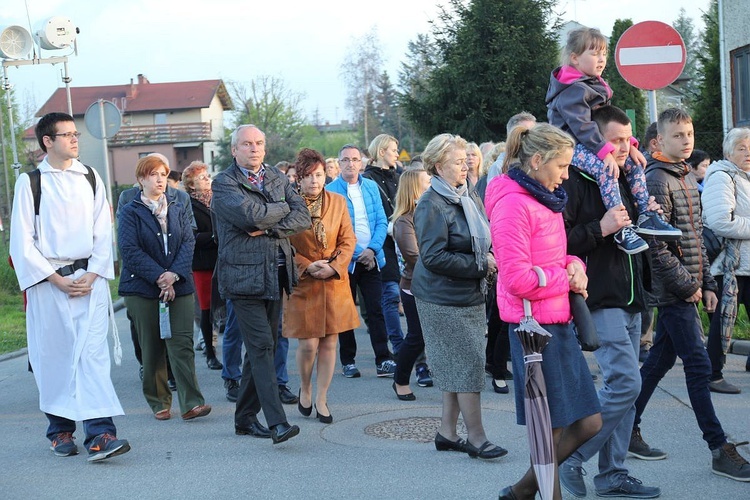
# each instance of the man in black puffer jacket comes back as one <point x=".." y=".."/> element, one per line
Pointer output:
<point x="681" y="278"/>
<point x="616" y="298"/>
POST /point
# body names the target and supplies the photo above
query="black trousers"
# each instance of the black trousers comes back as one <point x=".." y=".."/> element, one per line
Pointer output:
<point x="258" y="320"/>
<point x="413" y="344"/>
<point x="372" y="291"/>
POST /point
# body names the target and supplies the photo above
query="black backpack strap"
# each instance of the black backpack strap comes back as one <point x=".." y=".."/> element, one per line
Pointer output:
<point x="91" y="178"/>
<point x="36" y="188"/>
<point x="35" y="181"/>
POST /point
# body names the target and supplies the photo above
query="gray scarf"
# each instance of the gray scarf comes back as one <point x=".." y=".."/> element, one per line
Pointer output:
<point x="478" y="226"/>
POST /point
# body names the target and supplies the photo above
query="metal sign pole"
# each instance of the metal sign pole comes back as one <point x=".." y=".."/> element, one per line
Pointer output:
<point x="652" y="106"/>
<point x="6" y="87"/>
<point x="108" y="181"/>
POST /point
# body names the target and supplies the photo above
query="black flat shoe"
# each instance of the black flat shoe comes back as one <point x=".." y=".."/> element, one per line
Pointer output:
<point x="403" y="397"/>
<point x="487" y="451"/>
<point x="507" y="494"/>
<point x="255" y="429"/>
<point x="445" y="444"/>
<point x="326" y="419"/>
<point x="214" y="363"/>
<point x="500" y="389"/>
<point x="282" y="432"/>
<point x="304" y="411"/>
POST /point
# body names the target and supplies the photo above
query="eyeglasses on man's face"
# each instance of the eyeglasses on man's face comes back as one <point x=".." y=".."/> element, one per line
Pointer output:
<point x="350" y="160"/>
<point x="68" y="135"/>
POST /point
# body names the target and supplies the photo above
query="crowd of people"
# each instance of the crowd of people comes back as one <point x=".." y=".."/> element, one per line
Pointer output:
<point x="464" y="242"/>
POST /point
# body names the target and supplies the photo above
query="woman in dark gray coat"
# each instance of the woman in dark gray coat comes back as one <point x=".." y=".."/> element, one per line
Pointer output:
<point x="449" y="285"/>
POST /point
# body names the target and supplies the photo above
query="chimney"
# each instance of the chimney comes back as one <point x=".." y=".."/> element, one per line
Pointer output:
<point x="132" y="91"/>
<point x="142" y="79"/>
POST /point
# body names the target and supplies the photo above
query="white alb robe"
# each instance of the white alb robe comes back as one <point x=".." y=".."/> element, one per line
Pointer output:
<point x="67" y="337"/>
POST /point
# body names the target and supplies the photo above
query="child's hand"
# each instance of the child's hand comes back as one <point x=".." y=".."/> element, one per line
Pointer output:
<point x="611" y="164"/>
<point x="637" y="156"/>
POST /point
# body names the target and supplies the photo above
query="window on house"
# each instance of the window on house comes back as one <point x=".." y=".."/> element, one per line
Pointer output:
<point x="160" y="118"/>
<point x="141" y="155"/>
<point x="741" y="85"/>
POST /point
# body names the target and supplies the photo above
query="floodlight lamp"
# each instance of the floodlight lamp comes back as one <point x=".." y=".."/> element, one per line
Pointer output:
<point x="56" y="33"/>
<point x="15" y="42"/>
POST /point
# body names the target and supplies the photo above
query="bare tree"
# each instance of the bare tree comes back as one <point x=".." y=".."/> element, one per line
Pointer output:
<point x="361" y="70"/>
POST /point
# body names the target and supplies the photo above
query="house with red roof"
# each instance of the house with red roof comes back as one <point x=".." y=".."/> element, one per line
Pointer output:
<point x="181" y="120"/>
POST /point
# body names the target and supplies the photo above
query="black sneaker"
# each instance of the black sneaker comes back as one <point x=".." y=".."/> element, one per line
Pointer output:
<point x="571" y="478"/>
<point x="63" y="445"/>
<point x="106" y="446"/>
<point x="728" y="462"/>
<point x="651" y="224"/>
<point x="639" y="449"/>
<point x="172" y="384"/>
<point x="423" y="376"/>
<point x="630" y="488"/>
<point x="286" y="396"/>
<point x="386" y="369"/>
<point x="629" y="242"/>
<point x="233" y="389"/>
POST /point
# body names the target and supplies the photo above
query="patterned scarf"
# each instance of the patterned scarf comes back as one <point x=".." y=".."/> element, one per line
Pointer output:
<point x="554" y="200"/>
<point x="315" y="206"/>
<point x="158" y="208"/>
<point x="203" y="196"/>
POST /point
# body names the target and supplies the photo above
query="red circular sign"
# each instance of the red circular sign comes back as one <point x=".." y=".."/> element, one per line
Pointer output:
<point x="650" y="55"/>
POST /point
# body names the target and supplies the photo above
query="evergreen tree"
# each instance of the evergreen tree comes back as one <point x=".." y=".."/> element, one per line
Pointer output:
<point x="625" y="96"/>
<point x="422" y="57"/>
<point x="686" y="28"/>
<point x="707" y="114"/>
<point x="385" y="106"/>
<point x="495" y="59"/>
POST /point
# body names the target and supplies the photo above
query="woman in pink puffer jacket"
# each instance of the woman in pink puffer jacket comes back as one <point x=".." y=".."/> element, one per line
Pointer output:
<point x="528" y="237"/>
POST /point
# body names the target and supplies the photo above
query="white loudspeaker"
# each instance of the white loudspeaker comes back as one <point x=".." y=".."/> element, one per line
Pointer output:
<point x="15" y="43"/>
<point x="56" y="33"/>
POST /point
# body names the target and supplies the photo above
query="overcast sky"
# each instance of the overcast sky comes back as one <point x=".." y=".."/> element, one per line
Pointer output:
<point x="302" y="42"/>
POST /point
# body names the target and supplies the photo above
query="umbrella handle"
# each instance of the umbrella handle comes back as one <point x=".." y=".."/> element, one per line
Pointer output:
<point x="540" y="274"/>
<point x="527" y="308"/>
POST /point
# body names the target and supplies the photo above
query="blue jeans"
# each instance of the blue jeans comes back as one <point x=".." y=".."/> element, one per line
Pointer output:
<point x="231" y="347"/>
<point x="679" y="333"/>
<point x="620" y="336"/>
<point x="389" y="301"/>
<point x="91" y="428"/>
<point x="279" y="359"/>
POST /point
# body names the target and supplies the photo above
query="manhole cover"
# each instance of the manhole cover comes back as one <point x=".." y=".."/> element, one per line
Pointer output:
<point x="419" y="429"/>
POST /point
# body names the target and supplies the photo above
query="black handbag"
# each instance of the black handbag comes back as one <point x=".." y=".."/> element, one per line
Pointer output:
<point x="583" y="325"/>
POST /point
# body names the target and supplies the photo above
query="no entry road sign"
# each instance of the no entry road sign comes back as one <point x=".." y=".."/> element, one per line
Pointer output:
<point x="650" y="55"/>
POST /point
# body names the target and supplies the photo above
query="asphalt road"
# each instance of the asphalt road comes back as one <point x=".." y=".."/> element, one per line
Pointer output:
<point x="377" y="447"/>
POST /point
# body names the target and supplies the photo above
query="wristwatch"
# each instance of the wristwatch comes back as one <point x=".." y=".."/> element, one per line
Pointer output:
<point x="176" y="277"/>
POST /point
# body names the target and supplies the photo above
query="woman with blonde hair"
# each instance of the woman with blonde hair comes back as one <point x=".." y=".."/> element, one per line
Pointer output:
<point x="529" y="240"/>
<point x="473" y="161"/>
<point x="449" y="284"/>
<point x="384" y="153"/>
<point x="412" y="185"/>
